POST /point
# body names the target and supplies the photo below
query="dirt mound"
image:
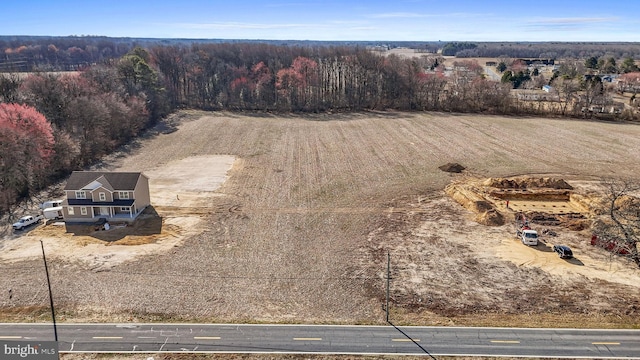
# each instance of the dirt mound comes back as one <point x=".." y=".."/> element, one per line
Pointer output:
<point x="587" y="204"/>
<point x="490" y="218"/>
<point x="452" y="168"/>
<point x="486" y="212"/>
<point x="525" y="183"/>
<point x="578" y="224"/>
<point x="481" y="206"/>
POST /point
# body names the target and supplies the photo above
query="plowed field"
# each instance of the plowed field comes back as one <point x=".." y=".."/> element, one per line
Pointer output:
<point x="290" y="219"/>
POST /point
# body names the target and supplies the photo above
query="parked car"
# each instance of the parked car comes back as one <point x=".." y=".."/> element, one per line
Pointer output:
<point x="563" y="251"/>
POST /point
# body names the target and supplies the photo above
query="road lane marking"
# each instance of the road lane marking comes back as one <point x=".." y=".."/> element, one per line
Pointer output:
<point x="307" y="339"/>
<point x="146" y="337"/>
<point x="206" y="337"/>
<point x="605" y="343"/>
<point x="406" y="340"/>
<point x="10" y="337"/>
<point x="506" y="341"/>
<point x="107" y="337"/>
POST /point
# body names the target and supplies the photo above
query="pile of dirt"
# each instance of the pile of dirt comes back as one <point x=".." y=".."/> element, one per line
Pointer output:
<point x="588" y="204"/>
<point x="486" y="213"/>
<point x="490" y="218"/>
<point x="452" y="168"/>
<point x="526" y="182"/>
<point x="578" y="224"/>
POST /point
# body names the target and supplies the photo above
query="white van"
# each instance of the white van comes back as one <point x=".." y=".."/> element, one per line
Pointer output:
<point x="529" y="237"/>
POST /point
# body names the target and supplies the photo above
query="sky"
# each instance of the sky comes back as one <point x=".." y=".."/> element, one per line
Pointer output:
<point x="331" y="20"/>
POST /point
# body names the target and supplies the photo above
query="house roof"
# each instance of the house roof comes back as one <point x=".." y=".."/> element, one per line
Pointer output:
<point x="114" y="180"/>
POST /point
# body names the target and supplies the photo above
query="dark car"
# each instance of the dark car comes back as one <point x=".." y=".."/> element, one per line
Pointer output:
<point x="563" y="251"/>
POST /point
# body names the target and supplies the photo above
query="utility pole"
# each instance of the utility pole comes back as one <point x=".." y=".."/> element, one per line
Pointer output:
<point x="53" y="314"/>
<point x="388" y="281"/>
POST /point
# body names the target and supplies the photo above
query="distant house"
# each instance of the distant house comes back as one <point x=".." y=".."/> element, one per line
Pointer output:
<point x="603" y="77"/>
<point x="534" y="95"/>
<point x="607" y="78"/>
<point x="547" y="88"/>
<point x="537" y="61"/>
<point x="629" y="82"/>
<point x="115" y="196"/>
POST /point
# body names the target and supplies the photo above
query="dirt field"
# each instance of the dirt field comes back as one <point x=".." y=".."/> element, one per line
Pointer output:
<point x="290" y="219"/>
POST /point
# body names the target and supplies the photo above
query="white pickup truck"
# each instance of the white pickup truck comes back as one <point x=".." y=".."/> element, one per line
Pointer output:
<point x="26" y="221"/>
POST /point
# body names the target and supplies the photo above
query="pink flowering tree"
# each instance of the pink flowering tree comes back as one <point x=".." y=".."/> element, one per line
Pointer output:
<point x="26" y="145"/>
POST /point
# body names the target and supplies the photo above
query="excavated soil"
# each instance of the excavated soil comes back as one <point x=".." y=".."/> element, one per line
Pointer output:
<point x="544" y="200"/>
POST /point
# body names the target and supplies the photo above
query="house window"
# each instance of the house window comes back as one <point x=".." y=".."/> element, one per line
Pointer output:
<point x="81" y="195"/>
<point x="103" y="196"/>
<point x="123" y="194"/>
<point x="83" y="211"/>
<point x="70" y="210"/>
<point x="125" y="208"/>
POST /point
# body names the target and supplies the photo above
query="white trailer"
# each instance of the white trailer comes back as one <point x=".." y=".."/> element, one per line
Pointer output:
<point x="53" y="213"/>
<point x="50" y="204"/>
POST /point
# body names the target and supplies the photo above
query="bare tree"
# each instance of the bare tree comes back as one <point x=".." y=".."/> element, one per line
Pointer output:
<point x="621" y="225"/>
<point x="592" y="94"/>
<point x="567" y="89"/>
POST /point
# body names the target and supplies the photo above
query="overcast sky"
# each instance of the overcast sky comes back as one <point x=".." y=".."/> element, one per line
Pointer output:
<point x="389" y="20"/>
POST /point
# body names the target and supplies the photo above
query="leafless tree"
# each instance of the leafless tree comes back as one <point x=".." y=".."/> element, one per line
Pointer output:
<point x="567" y="89"/>
<point x="620" y="226"/>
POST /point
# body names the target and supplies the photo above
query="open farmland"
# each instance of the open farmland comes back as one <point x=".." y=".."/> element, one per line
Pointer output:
<point x="300" y="225"/>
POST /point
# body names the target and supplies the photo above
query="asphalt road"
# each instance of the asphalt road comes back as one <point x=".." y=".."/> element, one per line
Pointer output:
<point x="327" y="339"/>
<point x="492" y="74"/>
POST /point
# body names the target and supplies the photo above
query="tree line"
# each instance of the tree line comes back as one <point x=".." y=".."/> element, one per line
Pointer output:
<point x="315" y="79"/>
<point x="101" y="107"/>
<point x="53" y="124"/>
<point x="262" y="77"/>
<point x="66" y="53"/>
<point x="45" y="53"/>
<point x="549" y="50"/>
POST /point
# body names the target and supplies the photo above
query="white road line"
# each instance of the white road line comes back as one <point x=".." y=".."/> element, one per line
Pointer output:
<point x="406" y="340"/>
<point x="506" y="341"/>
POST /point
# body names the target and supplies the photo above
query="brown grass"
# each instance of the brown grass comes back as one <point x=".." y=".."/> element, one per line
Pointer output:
<point x="319" y="200"/>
